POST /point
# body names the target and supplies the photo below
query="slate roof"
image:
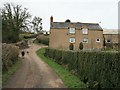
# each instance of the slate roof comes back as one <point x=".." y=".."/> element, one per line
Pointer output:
<point x="78" y="25"/>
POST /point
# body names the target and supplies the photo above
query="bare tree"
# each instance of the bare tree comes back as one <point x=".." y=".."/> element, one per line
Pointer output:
<point x="37" y="24"/>
<point x="14" y="19"/>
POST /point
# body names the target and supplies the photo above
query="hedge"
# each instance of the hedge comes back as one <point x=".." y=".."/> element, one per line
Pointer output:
<point x="43" y="39"/>
<point x="96" y="69"/>
<point x="9" y="56"/>
<point x="30" y="36"/>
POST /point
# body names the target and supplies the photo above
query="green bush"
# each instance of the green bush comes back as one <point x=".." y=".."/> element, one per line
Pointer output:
<point x="30" y="36"/>
<point x="96" y="69"/>
<point x="43" y="39"/>
<point x="9" y="56"/>
<point x="81" y="46"/>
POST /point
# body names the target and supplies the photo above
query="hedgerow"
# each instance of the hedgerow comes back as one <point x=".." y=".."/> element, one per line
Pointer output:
<point x="43" y="39"/>
<point x="96" y="69"/>
<point x="9" y="56"/>
<point x="30" y="36"/>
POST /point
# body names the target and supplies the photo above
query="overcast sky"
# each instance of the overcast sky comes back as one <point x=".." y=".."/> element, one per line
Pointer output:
<point x="88" y="11"/>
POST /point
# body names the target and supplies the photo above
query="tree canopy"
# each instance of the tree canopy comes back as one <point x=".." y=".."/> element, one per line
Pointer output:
<point x="14" y="19"/>
<point x="37" y="24"/>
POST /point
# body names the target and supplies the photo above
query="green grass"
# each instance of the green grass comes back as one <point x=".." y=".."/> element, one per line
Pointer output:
<point x="70" y="81"/>
<point x="6" y="75"/>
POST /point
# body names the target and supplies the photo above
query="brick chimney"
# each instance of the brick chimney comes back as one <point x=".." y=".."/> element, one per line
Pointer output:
<point x="51" y="19"/>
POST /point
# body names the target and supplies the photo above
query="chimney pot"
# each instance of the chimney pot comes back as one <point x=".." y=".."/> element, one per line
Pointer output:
<point x="51" y="19"/>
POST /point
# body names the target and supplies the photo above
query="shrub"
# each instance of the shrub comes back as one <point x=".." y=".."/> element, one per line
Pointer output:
<point x="9" y="56"/>
<point x="30" y="36"/>
<point x="96" y="69"/>
<point x="43" y="39"/>
<point x="81" y="46"/>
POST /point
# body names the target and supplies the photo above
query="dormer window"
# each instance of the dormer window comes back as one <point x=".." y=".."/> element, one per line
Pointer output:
<point x="72" y="30"/>
<point x="84" y="30"/>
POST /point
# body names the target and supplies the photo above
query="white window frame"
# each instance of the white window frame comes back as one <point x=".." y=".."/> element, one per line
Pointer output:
<point x="84" y="30"/>
<point x="72" y="30"/>
<point x="85" y="41"/>
<point x="72" y="40"/>
<point x="97" y="40"/>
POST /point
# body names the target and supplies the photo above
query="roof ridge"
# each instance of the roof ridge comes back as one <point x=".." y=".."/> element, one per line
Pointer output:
<point x="77" y="22"/>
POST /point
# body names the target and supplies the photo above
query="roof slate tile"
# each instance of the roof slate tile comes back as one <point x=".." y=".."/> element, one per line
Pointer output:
<point x="78" y="25"/>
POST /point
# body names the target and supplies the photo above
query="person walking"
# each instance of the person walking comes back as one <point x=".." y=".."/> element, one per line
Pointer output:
<point x="23" y="53"/>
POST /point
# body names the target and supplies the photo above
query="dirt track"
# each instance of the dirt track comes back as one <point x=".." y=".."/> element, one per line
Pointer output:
<point x="34" y="73"/>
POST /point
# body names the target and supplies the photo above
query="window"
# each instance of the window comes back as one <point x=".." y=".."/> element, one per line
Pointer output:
<point x="97" y="40"/>
<point x="85" y="31"/>
<point x="72" y="30"/>
<point x="85" y="40"/>
<point x="108" y="41"/>
<point x="72" y="40"/>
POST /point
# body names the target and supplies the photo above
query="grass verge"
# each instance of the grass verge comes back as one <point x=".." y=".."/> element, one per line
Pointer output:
<point x="70" y="81"/>
<point x="6" y="75"/>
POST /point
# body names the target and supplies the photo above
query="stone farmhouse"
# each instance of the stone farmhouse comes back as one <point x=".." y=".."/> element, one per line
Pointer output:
<point x="63" y="34"/>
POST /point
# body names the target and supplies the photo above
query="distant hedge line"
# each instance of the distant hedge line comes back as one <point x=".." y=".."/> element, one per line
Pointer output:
<point x="96" y="69"/>
<point x="30" y="36"/>
<point x="9" y="56"/>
